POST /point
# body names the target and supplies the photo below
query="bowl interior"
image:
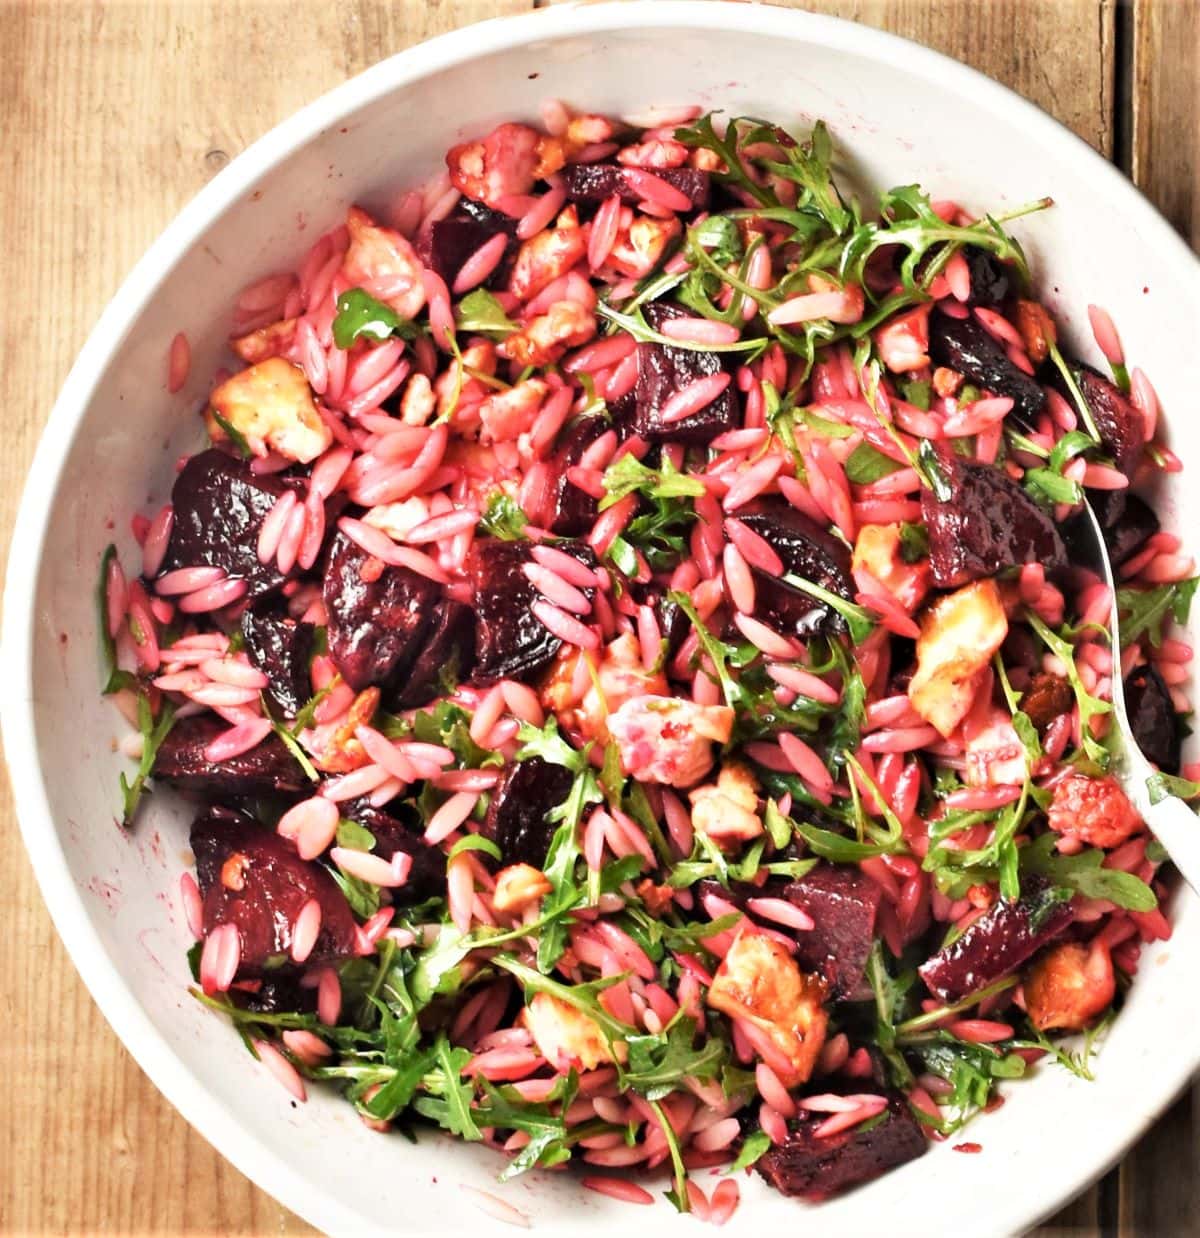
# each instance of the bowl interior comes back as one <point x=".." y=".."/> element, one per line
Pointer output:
<point x="899" y="115"/>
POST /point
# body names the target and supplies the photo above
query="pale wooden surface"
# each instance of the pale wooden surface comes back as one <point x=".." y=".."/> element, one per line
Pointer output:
<point x="113" y="115"/>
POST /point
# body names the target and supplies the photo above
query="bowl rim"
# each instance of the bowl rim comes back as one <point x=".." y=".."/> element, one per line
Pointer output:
<point x="265" y="1163"/>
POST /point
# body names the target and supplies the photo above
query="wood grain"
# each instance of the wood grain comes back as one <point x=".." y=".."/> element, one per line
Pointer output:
<point x="114" y="114"/>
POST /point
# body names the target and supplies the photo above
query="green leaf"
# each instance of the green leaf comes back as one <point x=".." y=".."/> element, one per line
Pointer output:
<point x="504" y="518"/>
<point x="678" y="1195"/>
<point x="235" y="436"/>
<point x="113" y="679"/>
<point x="479" y="313"/>
<point x="777" y="825"/>
<point x="1085" y="874"/>
<point x="475" y="842"/>
<point x="451" y="1107"/>
<point x="914" y="542"/>
<point x="361" y="316"/>
<point x="1145" y="612"/>
<point x="1089" y="706"/>
<point x="437" y="971"/>
<point x="1072" y="385"/>
<point x="1160" y="786"/>
<point x="858" y="619"/>
<point x="354" y="837"/>
<point x="971" y="1070"/>
<point x="583" y="997"/>
<point x="154" y="731"/>
<point x="890" y="996"/>
<point x="867" y="464"/>
<point x="916" y="392"/>
<point x="753" y="1147"/>
<point x="629" y="475"/>
<point x="657" y="1065"/>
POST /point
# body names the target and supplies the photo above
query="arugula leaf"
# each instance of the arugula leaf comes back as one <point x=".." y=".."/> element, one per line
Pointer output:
<point x="504" y="518"/>
<point x="753" y="1147"/>
<point x="437" y="971"/>
<point x="914" y="542"/>
<point x="479" y="313"/>
<point x="1145" y="612"/>
<point x="657" y="1065"/>
<point x="678" y="1195"/>
<point x="475" y="842"/>
<point x="450" y="1107"/>
<point x="582" y="997"/>
<point x="361" y="316"/>
<point x="362" y="896"/>
<point x="629" y="475"/>
<point x="637" y="326"/>
<point x="867" y="464"/>
<point x="702" y="135"/>
<point x="154" y="731"/>
<point x="112" y="678"/>
<point x="1089" y="706"/>
<point x="858" y="619"/>
<point x="917" y="392"/>
<point x="549" y="1138"/>
<point x="1072" y="385"/>
<point x="235" y="436"/>
<point x="971" y="1069"/>
<point x="890" y="996"/>
<point x="1085" y="874"/>
<point x="1160" y="786"/>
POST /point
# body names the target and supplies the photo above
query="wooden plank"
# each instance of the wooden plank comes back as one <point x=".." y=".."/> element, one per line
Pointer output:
<point x="115" y="115"/>
<point x="1166" y="108"/>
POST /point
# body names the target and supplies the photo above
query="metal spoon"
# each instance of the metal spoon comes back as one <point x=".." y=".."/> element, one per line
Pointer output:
<point x="1170" y="820"/>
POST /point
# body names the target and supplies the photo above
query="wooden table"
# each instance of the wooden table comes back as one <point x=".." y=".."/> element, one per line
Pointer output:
<point x="114" y="115"/>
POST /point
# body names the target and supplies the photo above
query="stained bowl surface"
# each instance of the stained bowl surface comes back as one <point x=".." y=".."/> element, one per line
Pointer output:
<point x="900" y="114"/>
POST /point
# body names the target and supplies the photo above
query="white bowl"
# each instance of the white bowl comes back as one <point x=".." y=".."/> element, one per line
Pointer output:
<point x="901" y="114"/>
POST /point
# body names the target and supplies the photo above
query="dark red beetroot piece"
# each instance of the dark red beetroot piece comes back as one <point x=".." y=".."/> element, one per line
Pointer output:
<point x="375" y="627"/>
<point x="815" y="1167"/>
<point x="989" y="276"/>
<point x="843" y="904"/>
<point x="997" y="943"/>
<point x="964" y="345"/>
<point x="594" y="182"/>
<point x="1152" y="718"/>
<point x="516" y="816"/>
<point x="267" y="769"/>
<point x="281" y="648"/>
<point x="807" y="551"/>
<point x="445" y="659"/>
<point x="510" y="641"/>
<point x="219" y="507"/>
<point x="572" y="511"/>
<point x="1126" y="521"/>
<point x="1119" y="424"/>
<point x="251" y="877"/>
<point x="663" y="371"/>
<point x="427" y="878"/>
<point x="454" y="239"/>
<point x="986" y="524"/>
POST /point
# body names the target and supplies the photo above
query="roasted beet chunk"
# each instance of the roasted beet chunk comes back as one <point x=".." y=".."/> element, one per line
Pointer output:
<point x="516" y="817"/>
<point x="964" y="345"/>
<point x="593" y="182"/>
<point x="251" y="877"/>
<point x="843" y="904"/>
<point x="427" y="878"/>
<point x="664" y="370"/>
<point x="985" y="523"/>
<point x="281" y="648"/>
<point x="997" y="943"/>
<point x="375" y="627"/>
<point x="817" y="1167"/>
<point x="268" y="769"/>
<point x="444" y="661"/>
<point x="510" y="641"/>
<point x="1119" y="424"/>
<point x="573" y="511"/>
<point x="989" y="276"/>
<point x="219" y="508"/>
<point x="1126" y="521"/>
<point x="807" y="551"/>
<point x="454" y="239"/>
<point x="1152" y="718"/>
